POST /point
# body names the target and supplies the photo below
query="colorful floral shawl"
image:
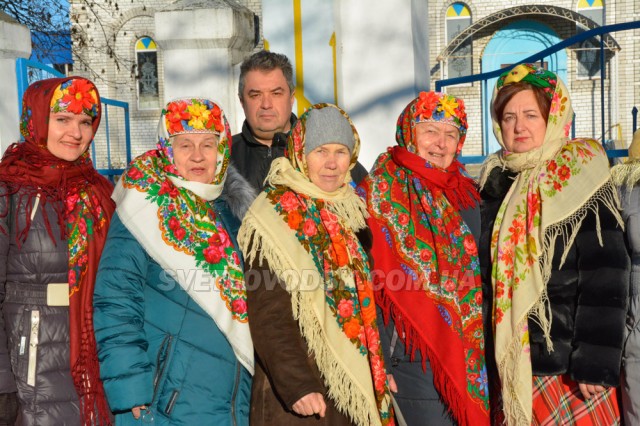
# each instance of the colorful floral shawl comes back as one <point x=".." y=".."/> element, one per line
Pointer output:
<point x="308" y="238"/>
<point x="81" y="200"/>
<point x="556" y="187"/>
<point x="427" y="275"/>
<point x="188" y="240"/>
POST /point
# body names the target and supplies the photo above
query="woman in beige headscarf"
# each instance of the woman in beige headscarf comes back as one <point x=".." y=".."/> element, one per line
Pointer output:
<point x="309" y="293"/>
<point x="553" y="251"/>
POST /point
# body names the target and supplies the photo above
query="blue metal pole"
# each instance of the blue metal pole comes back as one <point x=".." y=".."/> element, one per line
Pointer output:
<point x="602" y="76"/>
<point x="107" y="134"/>
<point x="23" y="80"/>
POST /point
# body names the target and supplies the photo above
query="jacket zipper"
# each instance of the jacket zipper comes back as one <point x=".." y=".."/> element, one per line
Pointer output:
<point x="164" y="350"/>
<point x="235" y="393"/>
<point x="33" y="348"/>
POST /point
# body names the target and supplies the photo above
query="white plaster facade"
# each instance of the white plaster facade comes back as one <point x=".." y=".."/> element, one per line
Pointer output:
<point x="15" y="42"/>
<point x="371" y="57"/>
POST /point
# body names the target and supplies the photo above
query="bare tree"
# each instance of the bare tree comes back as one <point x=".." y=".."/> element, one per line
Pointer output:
<point x="56" y="28"/>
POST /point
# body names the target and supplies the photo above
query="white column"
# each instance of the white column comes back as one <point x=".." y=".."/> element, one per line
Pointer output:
<point x="199" y="49"/>
<point x="15" y="42"/>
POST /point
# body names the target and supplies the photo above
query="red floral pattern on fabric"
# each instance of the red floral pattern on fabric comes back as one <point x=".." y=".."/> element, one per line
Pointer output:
<point x="190" y="225"/>
<point x="77" y="96"/>
<point x="336" y="251"/>
<point x="421" y="237"/>
<point x="514" y="260"/>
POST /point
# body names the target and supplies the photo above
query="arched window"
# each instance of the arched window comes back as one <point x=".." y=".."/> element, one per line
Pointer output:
<point x="147" y="62"/>
<point x="458" y="18"/>
<point x="588" y="51"/>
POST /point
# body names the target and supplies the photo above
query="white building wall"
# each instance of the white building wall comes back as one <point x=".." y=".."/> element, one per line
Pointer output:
<point x="385" y="52"/>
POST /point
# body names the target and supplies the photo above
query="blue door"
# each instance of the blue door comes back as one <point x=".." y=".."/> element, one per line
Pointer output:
<point x="510" y="45"/>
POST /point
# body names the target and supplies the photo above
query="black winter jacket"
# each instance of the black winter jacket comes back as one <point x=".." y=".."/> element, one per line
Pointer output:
<point x="253" y="159"/>
<point x="25" y="271"/>
<point x="588" y="295"/>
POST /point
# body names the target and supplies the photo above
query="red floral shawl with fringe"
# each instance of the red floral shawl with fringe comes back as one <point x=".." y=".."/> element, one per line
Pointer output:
<point x="426" y="271"/>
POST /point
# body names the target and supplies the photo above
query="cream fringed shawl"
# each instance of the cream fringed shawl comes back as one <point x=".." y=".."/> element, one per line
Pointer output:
<point x="557" y="185"/>
<point x="307" y="237"/>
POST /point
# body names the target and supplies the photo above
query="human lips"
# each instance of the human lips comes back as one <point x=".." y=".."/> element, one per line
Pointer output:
<point x="198" y="170"/>
<point x="267" y="116"/>
<point x="71" y="144"/>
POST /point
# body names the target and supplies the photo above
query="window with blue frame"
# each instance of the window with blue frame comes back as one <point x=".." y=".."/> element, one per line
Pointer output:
<point x="147" y="63"/>
<point x="460" y="62"/>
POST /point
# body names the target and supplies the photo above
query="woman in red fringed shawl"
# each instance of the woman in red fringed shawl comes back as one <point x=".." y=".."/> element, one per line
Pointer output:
<point x="54" y="215"/>
<point x="423" y="208"/>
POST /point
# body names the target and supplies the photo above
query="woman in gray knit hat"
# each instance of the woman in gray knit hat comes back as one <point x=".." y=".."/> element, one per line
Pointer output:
<point x="309" y="293"/>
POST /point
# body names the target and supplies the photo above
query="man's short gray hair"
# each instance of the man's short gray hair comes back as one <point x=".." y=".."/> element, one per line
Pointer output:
<point x="266" y="61"/>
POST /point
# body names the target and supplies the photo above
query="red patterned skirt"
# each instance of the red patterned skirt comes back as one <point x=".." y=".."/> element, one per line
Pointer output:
<point x="557" y="401"/>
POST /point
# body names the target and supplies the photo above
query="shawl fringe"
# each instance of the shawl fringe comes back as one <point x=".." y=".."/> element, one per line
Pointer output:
<point x="491" y="162"/>
<point x="514" y="412"/>
<point x="626" y="174"/>
<point x="447" y="393"/>
<point x="566" y="229"/>
<point x="342" y="390"/>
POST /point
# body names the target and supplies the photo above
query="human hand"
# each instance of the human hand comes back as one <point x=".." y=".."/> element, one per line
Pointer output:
<point x="310" y="404"/>
<point x="589" y="391"/>
<point x="393" y="387"/>
<point x="136" y="411"/>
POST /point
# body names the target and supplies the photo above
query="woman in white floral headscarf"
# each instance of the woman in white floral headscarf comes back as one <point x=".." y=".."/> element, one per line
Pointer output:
<point x="170" y="303"/>
<point x="556" y="267"/>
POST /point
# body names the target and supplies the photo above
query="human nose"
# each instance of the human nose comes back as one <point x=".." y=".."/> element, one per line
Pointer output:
<point x="74" y="130"/>
<point x="331" y="162"/>
<point x="440" y="140"/>
<point x="266" y="101"/>
<point x="197" y="155"/>
<point x="519" y="125"/>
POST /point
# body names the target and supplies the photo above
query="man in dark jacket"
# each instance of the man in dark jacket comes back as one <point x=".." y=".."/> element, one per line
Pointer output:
<point x="266" y="92"/>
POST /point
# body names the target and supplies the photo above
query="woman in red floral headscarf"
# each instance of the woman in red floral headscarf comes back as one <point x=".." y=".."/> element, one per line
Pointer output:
<point x="423" y="213"/>
<point x="54" y="214"/>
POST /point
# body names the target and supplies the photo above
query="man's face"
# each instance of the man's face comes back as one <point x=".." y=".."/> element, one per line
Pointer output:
<point x="267" y="102"/>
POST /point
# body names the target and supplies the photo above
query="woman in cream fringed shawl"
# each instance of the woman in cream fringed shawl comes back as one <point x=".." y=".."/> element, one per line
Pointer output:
<point x="310" y="299"/>
<point x="556" y="267"/>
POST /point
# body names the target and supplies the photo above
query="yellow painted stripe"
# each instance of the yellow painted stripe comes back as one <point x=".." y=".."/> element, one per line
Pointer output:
<point x="332" y="43"/>
<point x="303" y="102"/>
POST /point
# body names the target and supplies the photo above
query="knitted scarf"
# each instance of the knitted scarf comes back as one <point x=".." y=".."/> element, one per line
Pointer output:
<point x="174" y="220"/>
<point x="81" y="199"/>
<point x="557" y="185"/>
<point x="426" y="262"/>
<point x="307" y="236"/>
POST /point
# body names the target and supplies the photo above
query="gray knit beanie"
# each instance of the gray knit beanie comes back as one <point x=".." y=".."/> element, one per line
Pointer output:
<point x="327" y="125"/>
